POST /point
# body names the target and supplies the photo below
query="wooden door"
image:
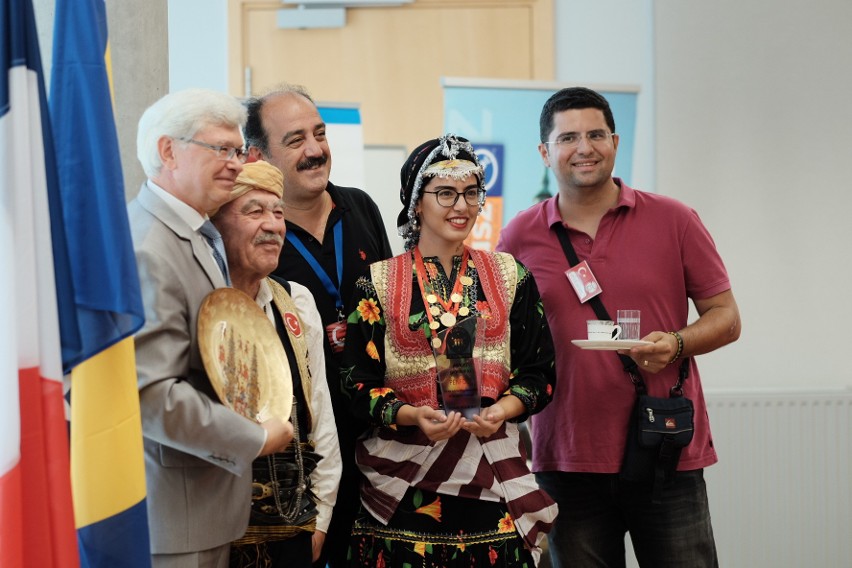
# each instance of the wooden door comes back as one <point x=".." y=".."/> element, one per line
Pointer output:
<point x="391" y="60"/>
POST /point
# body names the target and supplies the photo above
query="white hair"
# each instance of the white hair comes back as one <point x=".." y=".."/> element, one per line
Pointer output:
<point x="181" y="115"/>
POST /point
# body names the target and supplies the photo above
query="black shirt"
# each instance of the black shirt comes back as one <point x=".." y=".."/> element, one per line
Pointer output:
<point x="364" y="242"/>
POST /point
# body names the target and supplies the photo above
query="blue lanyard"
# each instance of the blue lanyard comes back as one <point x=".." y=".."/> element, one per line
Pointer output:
<point x="333" y="291"/>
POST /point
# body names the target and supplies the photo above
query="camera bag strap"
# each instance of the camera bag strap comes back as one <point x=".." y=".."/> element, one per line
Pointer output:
<point x="668" y="451"/>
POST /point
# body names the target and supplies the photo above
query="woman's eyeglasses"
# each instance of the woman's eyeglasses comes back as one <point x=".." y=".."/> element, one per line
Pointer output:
<point x="449" y="197"/>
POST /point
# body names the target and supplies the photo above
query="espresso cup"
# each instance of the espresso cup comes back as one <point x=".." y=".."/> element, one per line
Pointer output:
<point x="602" y="330"/>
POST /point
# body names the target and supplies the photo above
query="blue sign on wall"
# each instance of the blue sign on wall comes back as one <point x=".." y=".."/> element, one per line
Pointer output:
<point x="491" y="158"/>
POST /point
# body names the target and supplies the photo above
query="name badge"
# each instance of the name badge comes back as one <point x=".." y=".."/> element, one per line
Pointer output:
<point x="583" y="281"/>
<point x="336" y="333"/>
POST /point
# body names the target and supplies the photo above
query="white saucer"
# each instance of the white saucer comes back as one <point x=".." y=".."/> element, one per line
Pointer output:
<point x="608" y="344"/>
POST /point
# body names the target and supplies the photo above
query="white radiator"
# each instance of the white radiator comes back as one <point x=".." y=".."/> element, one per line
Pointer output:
<point x="781" y="494"/>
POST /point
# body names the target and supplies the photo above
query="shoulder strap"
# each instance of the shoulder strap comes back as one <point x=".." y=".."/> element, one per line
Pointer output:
<point x="568" y="249"/>
<point x="630" y="366"/>
<point x="597" y="305"/>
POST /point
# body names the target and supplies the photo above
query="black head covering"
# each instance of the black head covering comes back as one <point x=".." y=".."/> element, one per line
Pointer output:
<point x="447" y="147"/>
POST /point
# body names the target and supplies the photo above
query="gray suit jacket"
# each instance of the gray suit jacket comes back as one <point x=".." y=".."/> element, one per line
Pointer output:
<point x="198" y="453"/>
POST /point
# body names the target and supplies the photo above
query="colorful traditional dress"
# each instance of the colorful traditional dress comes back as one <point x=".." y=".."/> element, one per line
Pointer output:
<point x="464" y="501"/>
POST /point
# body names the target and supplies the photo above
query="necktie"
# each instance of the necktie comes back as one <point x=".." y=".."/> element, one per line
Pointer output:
<point x="214" y="239"/>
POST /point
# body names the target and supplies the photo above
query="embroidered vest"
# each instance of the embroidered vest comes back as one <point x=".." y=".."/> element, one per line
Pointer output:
<point x="410" y="365"/>
<point x="281" y="503"/>
<point x="287" y="308"/>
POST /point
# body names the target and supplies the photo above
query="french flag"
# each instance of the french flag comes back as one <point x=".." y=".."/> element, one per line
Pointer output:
<point x="36" y="514"/>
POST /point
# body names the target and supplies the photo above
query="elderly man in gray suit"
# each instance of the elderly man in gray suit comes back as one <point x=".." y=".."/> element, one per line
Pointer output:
<point x="198" y="453"/>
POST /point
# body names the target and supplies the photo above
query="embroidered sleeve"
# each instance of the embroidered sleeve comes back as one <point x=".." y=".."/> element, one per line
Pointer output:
<point x="533" y="374"/>
<point x="363" y="365"/>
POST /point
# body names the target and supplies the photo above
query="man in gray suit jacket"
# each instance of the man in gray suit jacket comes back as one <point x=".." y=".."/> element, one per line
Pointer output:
<point x="198" y="453"/>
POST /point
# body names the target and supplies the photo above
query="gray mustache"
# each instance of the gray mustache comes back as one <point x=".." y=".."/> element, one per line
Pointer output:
<point x="269" y="238"/>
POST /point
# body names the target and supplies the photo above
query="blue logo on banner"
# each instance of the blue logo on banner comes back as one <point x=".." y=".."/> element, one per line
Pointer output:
<point x="491" y="158"/>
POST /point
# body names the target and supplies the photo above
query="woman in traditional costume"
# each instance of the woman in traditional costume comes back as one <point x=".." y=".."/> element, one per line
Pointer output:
<point x="446" y="484"/>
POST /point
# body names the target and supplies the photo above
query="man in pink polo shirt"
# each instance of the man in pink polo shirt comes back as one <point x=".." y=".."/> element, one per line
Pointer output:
<point x="646" y="252"/>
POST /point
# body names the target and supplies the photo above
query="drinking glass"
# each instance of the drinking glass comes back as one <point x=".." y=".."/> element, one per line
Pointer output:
<point x="629" y="322"/>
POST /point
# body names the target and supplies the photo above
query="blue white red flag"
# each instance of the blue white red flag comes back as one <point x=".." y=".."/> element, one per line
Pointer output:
<point x="36" y="518"/>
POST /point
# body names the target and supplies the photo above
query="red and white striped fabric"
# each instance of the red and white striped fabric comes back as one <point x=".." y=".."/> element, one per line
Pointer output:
<point x="465" y="466"/>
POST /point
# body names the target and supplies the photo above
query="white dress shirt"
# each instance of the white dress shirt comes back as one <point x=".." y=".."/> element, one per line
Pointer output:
<point x="326" y="477"/>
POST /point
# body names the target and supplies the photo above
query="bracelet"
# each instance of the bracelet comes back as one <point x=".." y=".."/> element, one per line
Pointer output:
<point x="389" y="412"/>
<point x="679" y="346"/>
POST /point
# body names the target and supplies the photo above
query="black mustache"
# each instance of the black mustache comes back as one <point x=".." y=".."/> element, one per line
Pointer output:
<point x="308" y="163"/>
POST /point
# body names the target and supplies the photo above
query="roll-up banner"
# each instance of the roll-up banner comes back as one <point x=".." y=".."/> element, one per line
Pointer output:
<point x="500" y="118"/>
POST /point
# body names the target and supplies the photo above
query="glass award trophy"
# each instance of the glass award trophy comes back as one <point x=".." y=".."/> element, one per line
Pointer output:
<point x="457" y="365"/>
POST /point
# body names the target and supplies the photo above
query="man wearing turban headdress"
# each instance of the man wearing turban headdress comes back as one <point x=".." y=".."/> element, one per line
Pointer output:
<point x="294" y="492"/>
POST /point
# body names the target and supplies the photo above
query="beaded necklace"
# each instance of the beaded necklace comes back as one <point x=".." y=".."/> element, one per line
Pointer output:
<point x="447" y="311"/>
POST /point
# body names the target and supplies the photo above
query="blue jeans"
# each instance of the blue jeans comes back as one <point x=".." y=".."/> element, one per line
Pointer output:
<point x="596" y="509"/>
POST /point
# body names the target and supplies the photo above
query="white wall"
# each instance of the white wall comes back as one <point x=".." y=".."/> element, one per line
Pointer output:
<point x="610" y="42"/>
<point x="198" y="44"/>
<point x="753" y="128"/>
<point x="751" y="122"/>
<point x="382" y="165"/>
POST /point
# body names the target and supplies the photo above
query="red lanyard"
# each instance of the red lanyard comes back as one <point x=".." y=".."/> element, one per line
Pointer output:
<point x="451" y="307"/>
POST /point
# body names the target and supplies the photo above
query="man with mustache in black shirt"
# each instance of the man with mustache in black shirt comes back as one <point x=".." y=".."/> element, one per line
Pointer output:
<point x="333" y="234"/>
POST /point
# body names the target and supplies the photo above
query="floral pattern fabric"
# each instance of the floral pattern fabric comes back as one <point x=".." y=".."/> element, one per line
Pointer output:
<point x="439" y="531"/>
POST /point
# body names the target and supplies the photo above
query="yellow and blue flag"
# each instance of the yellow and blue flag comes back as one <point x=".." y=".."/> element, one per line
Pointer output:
<point x="107" y="463"/>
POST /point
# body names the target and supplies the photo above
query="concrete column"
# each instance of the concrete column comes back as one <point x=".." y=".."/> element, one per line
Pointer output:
<point x="138" y="35"/>
<point x="139" y="41"/>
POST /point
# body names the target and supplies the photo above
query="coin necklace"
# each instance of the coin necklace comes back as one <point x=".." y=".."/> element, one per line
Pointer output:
<point x="434" y="303"/>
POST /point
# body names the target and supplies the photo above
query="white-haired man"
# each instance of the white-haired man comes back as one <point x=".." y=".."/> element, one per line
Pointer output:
<point x="198" y="453"/>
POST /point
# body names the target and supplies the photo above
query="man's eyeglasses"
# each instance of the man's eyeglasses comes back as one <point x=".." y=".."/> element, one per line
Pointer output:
<point x="222" y="152"/>
<point x="572" y="139"/>
<point x="449" y="197"/>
